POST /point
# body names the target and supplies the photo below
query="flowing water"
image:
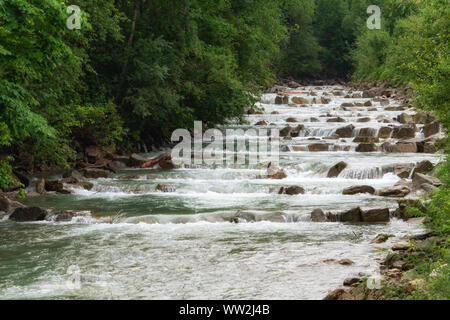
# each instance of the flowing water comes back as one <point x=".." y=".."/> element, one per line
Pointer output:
<point x="138" y="243"/>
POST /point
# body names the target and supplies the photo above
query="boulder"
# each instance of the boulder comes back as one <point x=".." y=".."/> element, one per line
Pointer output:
<point x="165" y="188"/>
<point x="167" y="165"/>
<point x="94" y="154"/>
<point x="318" y="216"/>
<point x="352" y="215"/>
<point x="431" y="129"/>
<point x="336" y="170"/>
<point x="348" y="282"/>
<point x="335" y="294"/>
<point x="366" y="140"/>
<point x="405" y="118"/>
<point x="291" y="119"/>
<point x="96" y="173"/>
<point x="7" y="204"/>
<point x="83" y="184"/>
<point x="338" y="119"/>
<point x="398" y="191"/>
<point x="136" y="160"/>
<point x="385" y="132"/>
<point x="382" y="238"/>
<point x="420" y="179"/>
<point x="286" y="131"/>
<point x="345" y="132"/>
<point x="54" y="185"/>
<point x="280" y="174"/>
<point x="73" y="174"/>
<point x="28" y="214"/>
<point x="347" y="105"/>
<point x="424" y="167"/>
<point x="292" y="190"/>
<point x="261" y="123"/>
<point x="300" y="100"/>
<point x="429" y="147"/>
<point x="403" y="170"/>
<point x="368" y="103"/>
<point x="364" y="119"/>
<point x="359" y="189"/>
<point x="404" y="132"/>
<point x="319" y="147"/>
<point x="400" y="147"/>
<point x="40" y="186"/>
<point x="367" y="147"/>
<point x="324" y="100"/>
<point x="246" y="216"/>
<point x="345" y="262"/>
<point x="375" y="215"/>
<point x="22" y="177"/>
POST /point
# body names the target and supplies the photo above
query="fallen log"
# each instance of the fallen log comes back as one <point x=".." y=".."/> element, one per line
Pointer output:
<point x="153" y="162"/>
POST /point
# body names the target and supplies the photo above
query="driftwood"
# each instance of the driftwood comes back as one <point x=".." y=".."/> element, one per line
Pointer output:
<point x="154" y="162"/>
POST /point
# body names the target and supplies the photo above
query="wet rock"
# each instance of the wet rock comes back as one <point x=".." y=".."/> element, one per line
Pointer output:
<point x="351" y="281"/>
<point x="356" y="96"/>
<point x="291" y="119"/>
<point x="405" y="118"/>
<point x="384" y="102"/>
<point x="319" y="147"/>
<point x="272" y="217"/>
<point x="345" y="132"/>
<point x="22" y="176"/>
<point x="404" y="132"/>
<point x="335" y="294"/>
<point x="54" y="185"/>
<point x="73" y="174"/>
<point x="369" y="140"/>
<point x="385" y="132"/>
<point x="324" y="100"/>
<point x="345" y="262"/>
<point x="400" y="147"/>
<point x="395" y="191"/>
<point x="368" y="94"/>
<point x="359" y="189"/>
<point x="286" y="131"/>
<point x="40" y="186"/>
<point x="431" y="129"/>
<point x="427" y="187"/>
<point x="424" y="167"/>
<point x="83" y="185"/>
<point x="338" y="93"/>
<point x="279" y="175"/>
<point x="367" y="132"/>
<point x="115" y="166"/>
<point x="336" y="170"/>
<point x="347" y="105"/>
<point x="96" y="173"/>
<point x="94" y="154"/>
<point x="295" y="132"/>
<point x="382" y="238"/>
<point x="375" y="215"/>
<point x="137" y="160"/>
<point x="403" y="170"/>
<point x="420" y="179"/>
<point x="430" y="147"/>
<point x="261" y="123"/>
<point x="318" y="216"/>
<point x="364" y="119"/>
<point x="246" y="216"/>
<point x="338" y="119"/>
<point x="352" y="215"/>
<point x="8" y="205"/>
<point x="368" y="103"/>
<point x="166" y="188"/>
<point x="401" y="246"/>
<point x="300" y="100"/>
<point x="292" y="190"/>
<point x="367" y="147"/>
<point x="28" y="214"/>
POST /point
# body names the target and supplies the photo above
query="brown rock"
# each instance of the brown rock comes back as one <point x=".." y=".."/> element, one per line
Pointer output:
<point x="95" y="173"/>
<point x="404" y="132"/>
<point x="318" y="216"/>
<point x="359" y="189"/>
<point x="382" y="238"/>
<point x="395" y="191"/>
<point x="318" y="147"/>
<point x="300" y="100"/>
<point x="420" y="179"/>
<point x="352" y="215"/>
<point x="424" y="167"/>
<point x="367" y="147"/>
<point x="336" y="170"/>
<point x="375" y="215"/>
<point x="345" y="132"/>
<point x="40" y="186"/>
<point x="385" y="132"/>
<point x="292" y="190"/>
<point x="432" y="129"/>
<point x="28" y="214"/>
<point x="346" y="262"/>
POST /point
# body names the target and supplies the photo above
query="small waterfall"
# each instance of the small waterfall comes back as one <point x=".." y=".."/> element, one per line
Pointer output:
<point x="362" y="173"/>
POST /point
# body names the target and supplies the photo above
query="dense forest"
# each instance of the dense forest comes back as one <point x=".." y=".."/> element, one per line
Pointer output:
<point x="139" y="69"/>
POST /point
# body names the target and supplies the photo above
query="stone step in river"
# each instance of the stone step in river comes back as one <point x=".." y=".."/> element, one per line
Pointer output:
<point x="225" y="232"/>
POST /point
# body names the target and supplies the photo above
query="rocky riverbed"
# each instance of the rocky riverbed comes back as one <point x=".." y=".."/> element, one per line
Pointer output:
<point x="351" y="157"/>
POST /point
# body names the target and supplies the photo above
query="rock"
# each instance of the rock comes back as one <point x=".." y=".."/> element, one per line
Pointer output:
<point x="385" y="132"/>
<point x="359" y="189"/>
<point x="338" y="93"/>
<point x="246" y="216"/>
<point x="286" y="131"/>
<point x="115" y="166"/>
<point x="167" y="165"/>
<point x="280" y="174"/>
<point x="364" y="119"/>
<point x="295" y="132"/>
<point x="319" y="147"/>
<point x="424" y="167"/>
<point x="324" y="100"/>
<point x="369" y="140"/>
<point x="404" y="132"/>
<point x="22" y="177"/>
<point x="395" y="191"/>
<point x="165" y="188"/>
<point x="318" y="216"/>
<point x="382" y="238"/>
<point x="368" y="94"/>
<point x="345" y="262"/>
<point x="351" y="281"/>
<point x="54" y="185"/>
<point x="83" y="184"/>
<point x="94" y="154"/>
<point x="347" y="105"/>
<point x="345" y="132"/>
<point x="352" y="215"/>
<point x="427" y="187"/>
<point x="336" y="170"/>
<point x="356" y="96"/>
<point x="261" y="123"/>
<point x="403" y="170"/>
<point x="429" y="147"/>
<point x="384" y="102"/>
<point x="272" y="217"/>
<point x="338" y="119"/>
<point x="420" y="179"/>
<point x="73" y="174"/>
<point x="335" y="294"/>
<point x="375" y="215"/>
<point x="95" y="173"/>
<point x="8" y="205"/>
<point x="431" y="129"/>
<point x="405" y="118"/>
<point x="40" y="186"/>
<point x="401" y="246"/>
<point x="137" y="160"/>
<point x="28" y="214"/>
<point x="291" y="119"/>
<point x="367" y="147"/>
<point x="300" y="100"/>
<point x="293" y="190"/>
<point x="400" y="147"/>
